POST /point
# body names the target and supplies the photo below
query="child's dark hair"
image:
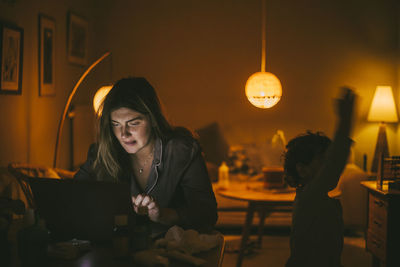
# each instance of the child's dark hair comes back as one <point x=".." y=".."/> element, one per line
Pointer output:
<point x="302" y="149"/>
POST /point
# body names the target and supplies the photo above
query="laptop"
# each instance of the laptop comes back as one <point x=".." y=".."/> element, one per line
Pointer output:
<point x="80" y="209"/>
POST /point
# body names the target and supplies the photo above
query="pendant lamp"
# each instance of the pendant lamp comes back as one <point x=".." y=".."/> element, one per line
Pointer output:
<point x="263" y="89"/>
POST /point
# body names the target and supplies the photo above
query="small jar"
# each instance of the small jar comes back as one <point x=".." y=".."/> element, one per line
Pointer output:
<point x="120" y="237"/>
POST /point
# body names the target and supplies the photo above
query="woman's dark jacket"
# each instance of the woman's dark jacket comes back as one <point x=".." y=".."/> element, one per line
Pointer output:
<point x="178" y="179"/>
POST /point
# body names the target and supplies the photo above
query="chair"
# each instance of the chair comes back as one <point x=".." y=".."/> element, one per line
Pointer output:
<point x="353" y="197"/>
<point x="222" y="251"/>
<point x="23" y="171"/>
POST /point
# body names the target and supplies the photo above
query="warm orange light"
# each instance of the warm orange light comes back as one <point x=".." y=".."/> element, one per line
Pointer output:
<point x="263" y="89"/>
<point x="99" y="98"/>
<point x="383" y="108"/>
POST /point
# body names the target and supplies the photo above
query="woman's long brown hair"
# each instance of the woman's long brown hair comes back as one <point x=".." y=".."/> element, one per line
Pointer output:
<point x="136" y="94"/>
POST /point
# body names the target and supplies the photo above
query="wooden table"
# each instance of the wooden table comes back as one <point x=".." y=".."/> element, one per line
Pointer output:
<point x="102" y="256"/>
<point x="263" y="201"/>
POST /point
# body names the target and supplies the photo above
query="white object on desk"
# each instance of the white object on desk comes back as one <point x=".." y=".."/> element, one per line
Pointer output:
<point x="223" y="175"/>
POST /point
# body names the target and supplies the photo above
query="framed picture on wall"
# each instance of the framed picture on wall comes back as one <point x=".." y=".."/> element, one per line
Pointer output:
<point x="77" y="39"/>
<point x="11" y="49"/>
<point x="47" y="56"/>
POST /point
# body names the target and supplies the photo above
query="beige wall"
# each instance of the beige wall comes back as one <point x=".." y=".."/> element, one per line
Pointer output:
<point x="199" y="54"/>
<point x="29" y="122"/>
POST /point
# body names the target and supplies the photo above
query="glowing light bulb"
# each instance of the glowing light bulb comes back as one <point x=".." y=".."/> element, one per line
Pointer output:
<point x="263" y="89"/>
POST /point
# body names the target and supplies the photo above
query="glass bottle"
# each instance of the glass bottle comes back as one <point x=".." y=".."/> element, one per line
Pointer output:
<point x="223" y="176"/>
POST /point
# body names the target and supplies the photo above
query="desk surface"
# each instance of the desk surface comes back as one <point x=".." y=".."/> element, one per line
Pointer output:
<point x="372" y="185"/>
<point x="102" y="256"/>
<point x="254" y="191"/>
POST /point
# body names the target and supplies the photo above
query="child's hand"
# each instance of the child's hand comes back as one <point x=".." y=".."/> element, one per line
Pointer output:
<point x="345" y="104"/>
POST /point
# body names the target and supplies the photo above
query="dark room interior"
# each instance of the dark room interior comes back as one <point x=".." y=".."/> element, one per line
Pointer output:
<point x="198" y="55"/>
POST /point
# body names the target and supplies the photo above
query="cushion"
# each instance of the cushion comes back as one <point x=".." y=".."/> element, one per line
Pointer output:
<point x="213" y="143"/>
<point x="33" y="171"/>
<point x="353" y="196"/>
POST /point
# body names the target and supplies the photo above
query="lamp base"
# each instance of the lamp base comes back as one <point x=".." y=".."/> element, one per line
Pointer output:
<point x="381" y="147"/>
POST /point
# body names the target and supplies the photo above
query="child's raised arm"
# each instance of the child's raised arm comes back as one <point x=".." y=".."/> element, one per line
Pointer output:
<point x="336" y="155"/>
<point x="344" y="109"/>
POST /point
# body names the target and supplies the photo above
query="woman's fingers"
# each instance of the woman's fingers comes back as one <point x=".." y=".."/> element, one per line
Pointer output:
<point x="136" y="209"/>
<point x="152" y="205"/>
<point x="138" y="200"/>
<point x="142" y="203"/>
<point x="146" y="200"/>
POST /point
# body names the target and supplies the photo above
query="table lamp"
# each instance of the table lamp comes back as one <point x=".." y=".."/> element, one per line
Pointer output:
<point x="382" y="110"/>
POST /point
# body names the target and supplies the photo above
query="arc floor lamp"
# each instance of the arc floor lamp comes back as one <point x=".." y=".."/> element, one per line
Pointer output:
<point x="68" y="104"/>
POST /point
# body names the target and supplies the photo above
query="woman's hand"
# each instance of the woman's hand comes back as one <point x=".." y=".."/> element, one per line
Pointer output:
<point x="146" y="205"/>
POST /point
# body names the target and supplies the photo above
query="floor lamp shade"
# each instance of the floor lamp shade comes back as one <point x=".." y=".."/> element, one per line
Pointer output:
<point x="99" y="98"/>
<point x="383" y="110"/>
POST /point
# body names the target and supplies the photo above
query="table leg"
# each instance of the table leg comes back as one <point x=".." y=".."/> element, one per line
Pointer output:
<point x="246" y="232"/>
<point x="262" y="214"/>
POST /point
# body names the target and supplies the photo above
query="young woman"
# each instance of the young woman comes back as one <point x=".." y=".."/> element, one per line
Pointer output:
<point x="163" y="164"/>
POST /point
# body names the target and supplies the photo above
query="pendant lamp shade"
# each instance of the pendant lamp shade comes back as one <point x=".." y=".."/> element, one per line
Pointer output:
<point x="263" y="89"/>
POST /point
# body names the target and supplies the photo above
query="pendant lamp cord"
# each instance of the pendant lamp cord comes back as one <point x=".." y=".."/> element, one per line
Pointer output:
<point x="263" y="33"/>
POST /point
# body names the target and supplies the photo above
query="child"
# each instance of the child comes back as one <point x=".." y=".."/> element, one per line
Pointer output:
<point x="313" y="164"/>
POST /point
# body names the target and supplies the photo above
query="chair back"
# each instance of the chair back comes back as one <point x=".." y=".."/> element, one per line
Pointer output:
<point x="23" y="171"/>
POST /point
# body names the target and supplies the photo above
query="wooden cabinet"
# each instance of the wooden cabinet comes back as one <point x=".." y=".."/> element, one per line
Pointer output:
<point x="383" y="228"/>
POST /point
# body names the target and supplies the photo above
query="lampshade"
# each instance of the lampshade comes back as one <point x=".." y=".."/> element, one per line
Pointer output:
<point x="99" y="97"/>
<point x="383" y="108"/>
<point x="263" y="89"/>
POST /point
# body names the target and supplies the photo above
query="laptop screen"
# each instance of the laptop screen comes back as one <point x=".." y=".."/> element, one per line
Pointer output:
<point x="80" y="209"/>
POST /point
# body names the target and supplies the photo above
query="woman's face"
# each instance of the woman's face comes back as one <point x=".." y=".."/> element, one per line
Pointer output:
<point x="131" y="128"/>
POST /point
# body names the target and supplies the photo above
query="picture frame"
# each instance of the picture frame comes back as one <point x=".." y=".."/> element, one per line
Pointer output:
<point x="47" y="56"/>
<point x="77" y="46"/>
<point x="11" y="58"/>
